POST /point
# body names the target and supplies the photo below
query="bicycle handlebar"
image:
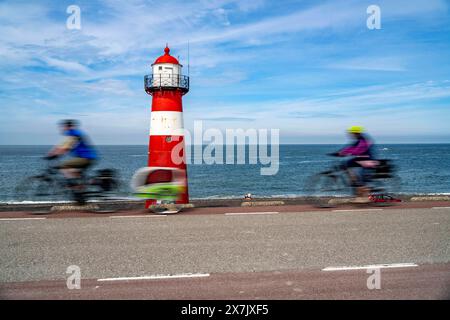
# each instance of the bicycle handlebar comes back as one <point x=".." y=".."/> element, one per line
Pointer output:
<point x="334" y="154"/>
<point x="49" y="158"/>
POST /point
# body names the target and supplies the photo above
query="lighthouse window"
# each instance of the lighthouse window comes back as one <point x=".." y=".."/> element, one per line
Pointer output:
<point x="160" y="68"/>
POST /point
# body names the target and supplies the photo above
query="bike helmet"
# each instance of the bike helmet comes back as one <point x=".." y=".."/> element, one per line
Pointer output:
<point x="356" y="129"/>
<point x="69" y="123"/>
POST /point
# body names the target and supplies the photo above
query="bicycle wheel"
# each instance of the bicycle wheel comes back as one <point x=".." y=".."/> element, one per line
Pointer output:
<point x="33" y="188"/>
<point x="390" y="186"/>
<point x="105" y="185"/>
<point x="321" y="188"/>
<point x="80" y="197"/>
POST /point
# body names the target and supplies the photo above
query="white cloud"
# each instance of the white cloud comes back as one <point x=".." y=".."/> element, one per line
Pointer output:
<point x="66" y="65"/>
<point x="371" y="64"/>
<point x="126" y="36"/>
<point x="373" y="105"/>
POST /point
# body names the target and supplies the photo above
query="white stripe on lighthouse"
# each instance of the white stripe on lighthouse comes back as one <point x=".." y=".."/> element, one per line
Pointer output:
<point x="166" y="123"/>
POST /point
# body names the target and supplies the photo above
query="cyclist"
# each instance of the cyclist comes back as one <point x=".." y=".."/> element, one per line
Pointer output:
<point x="361" y="151"/>
<point x="77" y="144"/>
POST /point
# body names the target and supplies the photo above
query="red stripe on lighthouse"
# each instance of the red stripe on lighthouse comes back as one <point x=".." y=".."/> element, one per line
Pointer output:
<point x="167" y="151"/>
<point x="167" y="101"/>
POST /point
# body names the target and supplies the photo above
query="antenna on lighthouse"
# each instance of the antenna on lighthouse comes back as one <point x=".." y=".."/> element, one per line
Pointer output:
<point x="188" y="59"/>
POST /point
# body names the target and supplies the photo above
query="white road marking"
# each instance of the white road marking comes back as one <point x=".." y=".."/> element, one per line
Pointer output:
<point x="148" y="216"/>
<point x="440" y="208"/>
<point x="374" y="266"/>
<point x="21" y="219"/>
<point x="156" y="277"/>
<point x="356" y="210"/>
<point x="248" y="213"/>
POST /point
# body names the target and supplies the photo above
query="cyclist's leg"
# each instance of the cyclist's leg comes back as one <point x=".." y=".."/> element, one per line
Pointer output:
<point x="73" y="169"/>
<point x="357" y="177"/>
<point x="362" y="191"/>
<point x="352" y="171"/>
<point x="70" y="168"/>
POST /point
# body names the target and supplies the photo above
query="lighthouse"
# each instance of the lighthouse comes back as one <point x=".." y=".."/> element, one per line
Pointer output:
<point x="166" y="149"/>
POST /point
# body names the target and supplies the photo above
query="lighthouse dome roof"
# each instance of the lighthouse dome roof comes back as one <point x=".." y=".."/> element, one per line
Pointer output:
<point x="166" y="58"/>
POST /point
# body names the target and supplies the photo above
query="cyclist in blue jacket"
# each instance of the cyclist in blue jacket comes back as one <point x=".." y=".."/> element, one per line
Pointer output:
<point x="77" y="144"/>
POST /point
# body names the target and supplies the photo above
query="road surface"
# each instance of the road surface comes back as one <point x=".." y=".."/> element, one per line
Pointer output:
<point x="230" y="253"/>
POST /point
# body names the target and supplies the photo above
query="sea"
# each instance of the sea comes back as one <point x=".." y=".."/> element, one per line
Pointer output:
<point x="423" y="169"/>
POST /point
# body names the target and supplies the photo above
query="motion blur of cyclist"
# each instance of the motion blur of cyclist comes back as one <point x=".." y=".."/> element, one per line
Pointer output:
<point x="361" y="151"/>
<point x="77" y="144"/>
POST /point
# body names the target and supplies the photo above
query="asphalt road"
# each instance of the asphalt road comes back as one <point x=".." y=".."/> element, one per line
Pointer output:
<point x="267" y="255"/>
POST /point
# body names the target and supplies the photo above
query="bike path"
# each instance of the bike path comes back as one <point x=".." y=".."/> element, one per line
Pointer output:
<point x="80" y="213"/>
<point x="421" y="282"/>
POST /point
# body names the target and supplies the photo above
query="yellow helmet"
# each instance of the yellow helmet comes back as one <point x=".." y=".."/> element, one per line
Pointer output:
<point x="356" y="129"/>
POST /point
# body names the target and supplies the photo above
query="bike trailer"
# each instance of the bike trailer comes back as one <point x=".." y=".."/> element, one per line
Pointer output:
<point x="106" y="179"/>
<point x="158" y="183"/>
<point x="384" y="169"/>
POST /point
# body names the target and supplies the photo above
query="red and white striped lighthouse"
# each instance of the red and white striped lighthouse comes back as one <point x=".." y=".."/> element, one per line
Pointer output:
<point x="167" y="86"/>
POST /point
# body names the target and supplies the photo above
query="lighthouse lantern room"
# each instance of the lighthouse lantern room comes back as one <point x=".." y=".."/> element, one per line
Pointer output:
<point x="166" y="73"/>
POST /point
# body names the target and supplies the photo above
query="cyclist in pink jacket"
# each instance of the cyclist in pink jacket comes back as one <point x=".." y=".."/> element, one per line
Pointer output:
<point x="361" y="152"/>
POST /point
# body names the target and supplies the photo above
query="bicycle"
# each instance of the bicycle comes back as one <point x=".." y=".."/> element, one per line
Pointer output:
<point x="335" y="182"/>
<point x="51" y="185"/>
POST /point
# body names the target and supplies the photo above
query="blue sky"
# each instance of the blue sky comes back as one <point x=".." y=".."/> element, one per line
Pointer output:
<point x="308" y="68"/>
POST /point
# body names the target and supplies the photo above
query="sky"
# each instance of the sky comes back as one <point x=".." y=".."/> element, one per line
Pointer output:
<point x="310" y="68"/>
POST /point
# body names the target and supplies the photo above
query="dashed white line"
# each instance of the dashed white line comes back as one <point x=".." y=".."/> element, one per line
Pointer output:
<point x="440" y="208"/>
<point x="148" y="216"/>
<point x="157" y="277"/>
<point x="356" y="210"/>
<point x="373" y="266"/>
<point x="21" y="219"/>
<point x="248" y="213"/>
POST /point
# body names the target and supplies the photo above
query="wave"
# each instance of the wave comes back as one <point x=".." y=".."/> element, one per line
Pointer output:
<point x="115" y="199"/>
<point x="40" y="156"/>
<point x="213" y="197"/>
<point x="297" y="195"/>
<point x="217" y="197"/>
<point x="426" y="193"/>
<point x="31" y="202"/>
<point x="314" y="161"/>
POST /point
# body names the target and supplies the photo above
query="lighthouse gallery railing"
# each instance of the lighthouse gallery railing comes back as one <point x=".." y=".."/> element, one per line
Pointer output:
<point x="157" y="81"/>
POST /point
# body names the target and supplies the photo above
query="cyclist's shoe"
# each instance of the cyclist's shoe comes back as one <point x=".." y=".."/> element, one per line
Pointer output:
<point x="383" y="198"/>
<point x="362" y="195"/>
<point x="79" y="197"/>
